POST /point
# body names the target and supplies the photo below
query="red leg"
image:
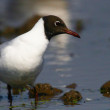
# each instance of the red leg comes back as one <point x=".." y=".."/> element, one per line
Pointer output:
<point x="36" y="96"/>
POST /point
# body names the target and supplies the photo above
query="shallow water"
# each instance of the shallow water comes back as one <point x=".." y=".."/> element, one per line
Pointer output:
<point x="84" y="61"/>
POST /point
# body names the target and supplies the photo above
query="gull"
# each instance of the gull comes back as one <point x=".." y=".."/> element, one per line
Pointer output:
<point x="21" y="59"/>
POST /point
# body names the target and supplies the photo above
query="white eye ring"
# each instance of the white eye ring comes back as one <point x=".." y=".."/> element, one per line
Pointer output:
<point x="57" y="23"/>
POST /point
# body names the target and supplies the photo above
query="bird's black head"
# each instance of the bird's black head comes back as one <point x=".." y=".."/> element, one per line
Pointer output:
<point x="54" y="25"/>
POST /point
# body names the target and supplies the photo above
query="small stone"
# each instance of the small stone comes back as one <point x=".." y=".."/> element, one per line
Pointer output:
<point x="105" y="89"/>
<point x="88" y="99"/>
<point x="72" y="86"/>
<point x="71" y="98"/>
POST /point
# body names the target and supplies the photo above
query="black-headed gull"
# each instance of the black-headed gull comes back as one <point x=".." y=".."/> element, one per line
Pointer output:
<point x="21" y="58"/>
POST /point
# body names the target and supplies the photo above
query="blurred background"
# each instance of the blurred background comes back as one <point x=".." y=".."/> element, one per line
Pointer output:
<point x="84" y="61"/>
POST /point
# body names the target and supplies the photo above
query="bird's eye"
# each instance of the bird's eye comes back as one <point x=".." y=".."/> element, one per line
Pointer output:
<point x="57" y="23"/>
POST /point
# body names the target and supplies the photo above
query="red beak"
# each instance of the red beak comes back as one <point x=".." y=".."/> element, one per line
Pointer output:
<point x="72" y="33"/>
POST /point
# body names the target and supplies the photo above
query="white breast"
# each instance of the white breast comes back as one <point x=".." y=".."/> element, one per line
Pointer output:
<point x="22" y="57"/>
